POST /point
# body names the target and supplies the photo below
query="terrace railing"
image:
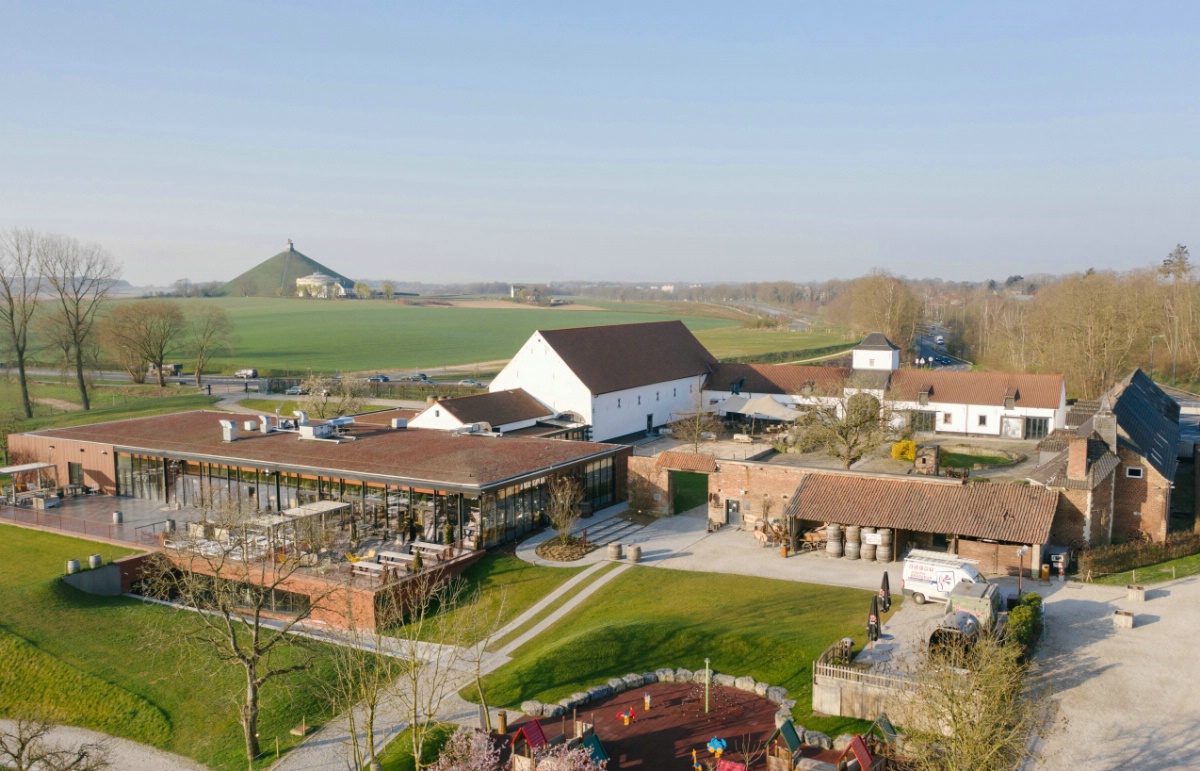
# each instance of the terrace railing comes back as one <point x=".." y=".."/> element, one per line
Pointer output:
<point x="826" y="666"/>
<point x="64" y="522"/>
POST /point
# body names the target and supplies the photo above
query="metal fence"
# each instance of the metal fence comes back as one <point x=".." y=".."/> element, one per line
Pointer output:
<point x="144" y="535"/>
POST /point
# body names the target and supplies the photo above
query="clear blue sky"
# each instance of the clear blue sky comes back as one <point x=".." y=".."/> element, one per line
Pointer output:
<point x="629" y="141"/>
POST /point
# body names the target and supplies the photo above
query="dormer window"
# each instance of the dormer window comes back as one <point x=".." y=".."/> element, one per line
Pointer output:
<point x="1010" y="399"/>
<point x="807" y="389"/>
<point x="923" y="397"/>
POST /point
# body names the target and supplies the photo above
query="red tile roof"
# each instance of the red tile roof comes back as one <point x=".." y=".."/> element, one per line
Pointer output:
<point x="1002" y="512"/>
<point x="682" y="461"/>
<point x="1043" y="391"/>
<point x="620" y="356"/>
<point x="413" y="455"/>
<point x="497" y="408"/>
<point x="778" y="378"/>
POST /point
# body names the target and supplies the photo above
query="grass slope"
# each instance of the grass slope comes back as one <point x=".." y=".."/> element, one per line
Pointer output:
<point x="265" y="278"/>
<point x="137" y="648"/>
<point x="141" y="408"/>
<point x="501" y="577"/>
<point x="649" y="618"/>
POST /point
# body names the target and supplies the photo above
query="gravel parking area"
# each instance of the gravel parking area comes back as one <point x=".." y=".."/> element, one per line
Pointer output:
<point x="1125" y="698"/>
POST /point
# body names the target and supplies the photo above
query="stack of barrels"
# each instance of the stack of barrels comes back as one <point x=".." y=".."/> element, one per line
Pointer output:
<point x="851" y="544"/>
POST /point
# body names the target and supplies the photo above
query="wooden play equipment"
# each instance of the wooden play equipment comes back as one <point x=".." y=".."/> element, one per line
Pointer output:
<point x="783" y="748"/>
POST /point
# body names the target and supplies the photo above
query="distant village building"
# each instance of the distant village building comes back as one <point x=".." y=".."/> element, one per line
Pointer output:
<point x="321" y="285"/>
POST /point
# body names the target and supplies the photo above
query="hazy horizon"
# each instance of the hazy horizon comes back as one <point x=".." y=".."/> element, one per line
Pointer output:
<point x="623" y="142"/>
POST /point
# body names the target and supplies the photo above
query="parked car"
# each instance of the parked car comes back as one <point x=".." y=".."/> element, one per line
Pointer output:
<point x="417" y="378"/>
<point x="246" y="374"/>
<point x="379" y="379"/>
<point x="296" y="391"/>
<point x="471" y="383"/>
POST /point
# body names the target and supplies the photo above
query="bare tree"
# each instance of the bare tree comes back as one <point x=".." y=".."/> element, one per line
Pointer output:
<point x="327" y="397"/>
<point x="691" y="426"/>
<point x="363" y="678"/>
<point x="118" y="349"/>
<point x="20" y="285"/>
<point x="211" y="331"/>
<point x="81" y="277"/>
<point x="26" y="747"/>
<point x="847" y="424"/>
<point x="433" y="644"/>
<point x="973" y="710"/>
<point x="562" y="505"/>
<point x="146" y="329"/>
<point x="388" y="289"/>
<point x="362" y="291"/>
<point x="239" y="584"/>
<point x="184" y="287"/>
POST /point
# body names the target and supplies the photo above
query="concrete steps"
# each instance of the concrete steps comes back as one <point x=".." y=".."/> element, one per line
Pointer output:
<point x="607" y="531"/>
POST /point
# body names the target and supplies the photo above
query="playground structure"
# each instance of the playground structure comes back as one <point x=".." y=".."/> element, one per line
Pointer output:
<point x="531" y="737"/>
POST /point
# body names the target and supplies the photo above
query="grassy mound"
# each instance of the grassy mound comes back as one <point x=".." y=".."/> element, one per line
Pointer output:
<point x="37" y="684"/>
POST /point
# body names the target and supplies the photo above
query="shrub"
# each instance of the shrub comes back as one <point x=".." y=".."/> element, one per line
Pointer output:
<point x="1022" y="625"/>
<point x="904" y="450"/>
<point x="1136" y="554"/>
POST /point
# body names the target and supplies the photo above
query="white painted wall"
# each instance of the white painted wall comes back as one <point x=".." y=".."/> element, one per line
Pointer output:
<point x="624" y="412"/>
<point x="436" y="418"/>
<point x="545" y="376"/>
<point x="875" y="360"/>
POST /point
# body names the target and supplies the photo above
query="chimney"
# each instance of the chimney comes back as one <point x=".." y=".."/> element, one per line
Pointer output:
<point x="1104" y="423"/>
<point x="1077" y="452"/>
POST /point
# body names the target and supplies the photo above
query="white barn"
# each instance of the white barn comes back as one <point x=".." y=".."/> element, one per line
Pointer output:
<point x="622" y="379"/>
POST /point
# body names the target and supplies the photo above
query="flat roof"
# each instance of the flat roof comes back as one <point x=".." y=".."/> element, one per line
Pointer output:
<point x="398" y="456"/>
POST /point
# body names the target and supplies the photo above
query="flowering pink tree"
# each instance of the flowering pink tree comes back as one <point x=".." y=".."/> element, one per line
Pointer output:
<point x="468" y="750"/>
<point x="559" y="758"/>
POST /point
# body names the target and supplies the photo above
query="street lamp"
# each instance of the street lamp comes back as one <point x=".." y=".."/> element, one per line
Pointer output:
<point x="1152" y="339"/>
<point x="1020" y="569"/>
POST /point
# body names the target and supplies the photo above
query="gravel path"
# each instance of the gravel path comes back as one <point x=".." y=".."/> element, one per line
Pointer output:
<point x="123" y="754"/>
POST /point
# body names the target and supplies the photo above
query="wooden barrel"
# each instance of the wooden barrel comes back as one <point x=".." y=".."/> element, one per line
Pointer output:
<point x="884" y="552"/>
<point x="868" y="549"/>
<point x="833" y="544"/>
<point x="852" y="542"/>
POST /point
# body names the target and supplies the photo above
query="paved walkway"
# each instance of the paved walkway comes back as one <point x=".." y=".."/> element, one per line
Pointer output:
<point x="123" y="754"/>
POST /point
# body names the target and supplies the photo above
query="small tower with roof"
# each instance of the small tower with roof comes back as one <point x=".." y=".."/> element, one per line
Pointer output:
<point x="876" y="352"/>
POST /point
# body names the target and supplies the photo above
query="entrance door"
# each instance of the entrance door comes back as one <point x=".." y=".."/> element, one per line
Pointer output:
<point x="650" y="424"/>
<point x="733" y="512"/>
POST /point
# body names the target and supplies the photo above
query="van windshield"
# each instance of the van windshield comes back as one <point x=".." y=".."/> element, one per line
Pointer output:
<point x="973" y="575"/>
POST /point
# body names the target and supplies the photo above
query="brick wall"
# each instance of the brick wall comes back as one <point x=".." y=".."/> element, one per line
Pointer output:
<point x="994" y="558"/>
<point x="752" y="485"/>
<point x="643" y="470"/>
<point x="1069" y="516"/>
<point x="1149" y="497"/>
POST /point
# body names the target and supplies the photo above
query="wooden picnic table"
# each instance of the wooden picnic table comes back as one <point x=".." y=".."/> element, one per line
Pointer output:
<point x="395" y="556"/>
<point x="366" y="568"/>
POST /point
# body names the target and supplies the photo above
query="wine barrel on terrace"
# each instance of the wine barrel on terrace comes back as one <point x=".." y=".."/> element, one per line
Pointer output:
<point x="868" y="549"/>
<point x="833" y="543"/>
<point x="884" y="552"/>
<point x="852" y="542"/>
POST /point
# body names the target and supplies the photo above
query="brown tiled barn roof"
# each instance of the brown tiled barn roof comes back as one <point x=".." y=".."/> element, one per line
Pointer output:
<point x="977" y="387"/>
<point x="1002" y="512"/>
<point x="682" y="461"/>
<point x="620" y="356"/>
<point x="497" y="408"/>
<point x="778" y="378"/>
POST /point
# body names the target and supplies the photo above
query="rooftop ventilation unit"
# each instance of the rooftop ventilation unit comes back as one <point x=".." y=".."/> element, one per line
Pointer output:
<point x="264" y="424"/>
<point x="229" y="430"/>
<point x="301" y="418"/>
<point x="250" y="425"/>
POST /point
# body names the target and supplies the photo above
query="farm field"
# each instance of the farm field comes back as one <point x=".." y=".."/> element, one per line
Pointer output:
<point x="729" y="342"/>
<point x="106" y="663"/>
<point x="648" y="618"/>
<point x="281" y="337"/>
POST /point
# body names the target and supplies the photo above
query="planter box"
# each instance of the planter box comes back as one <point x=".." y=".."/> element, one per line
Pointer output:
<point x="1123" y="619"/>
<point x="1136" y="593"/>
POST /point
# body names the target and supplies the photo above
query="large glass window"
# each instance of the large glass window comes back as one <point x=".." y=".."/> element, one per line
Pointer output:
<point x="1036" y="428"/>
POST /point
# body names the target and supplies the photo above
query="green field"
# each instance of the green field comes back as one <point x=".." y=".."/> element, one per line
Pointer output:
<point x="654" y="617"/>
<point x="117" y="665"/>
<point x="282" y="337"/>
<point x="730" y="342"/>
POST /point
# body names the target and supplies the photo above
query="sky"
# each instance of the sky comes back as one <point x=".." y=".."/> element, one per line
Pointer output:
<point x="614" y="141"/>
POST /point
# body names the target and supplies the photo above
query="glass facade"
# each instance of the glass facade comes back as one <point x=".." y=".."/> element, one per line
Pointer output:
<point x="434" y="515"/>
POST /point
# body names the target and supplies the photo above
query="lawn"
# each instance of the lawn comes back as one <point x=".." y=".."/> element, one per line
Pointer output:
<point x="288" y="337"/>
<point x="504" y="577"/>
<point x="1153" y="574"/>
<point x="649" y="618"/>
<point x="734" y="341"/>
<point x="398" y="756"/>
<point x="691" y="490"/>
<point x="267" y="406"/>
<point x="963" y="460"/>
<point x="116" y="665"/>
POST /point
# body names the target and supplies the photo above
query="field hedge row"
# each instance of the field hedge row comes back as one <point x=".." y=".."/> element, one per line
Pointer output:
<point x="777" y="357"/>
<point x="1136" y="554"/>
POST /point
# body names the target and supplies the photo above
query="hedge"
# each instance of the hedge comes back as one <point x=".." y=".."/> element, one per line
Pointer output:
<point x="1137" y="554"/>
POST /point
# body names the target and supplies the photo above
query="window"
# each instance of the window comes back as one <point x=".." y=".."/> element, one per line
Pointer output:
<point x="1010" y="402"/>
<point x="947" y="418"/>
<point x="656" y="396"/>
<point x="674" y="392"/>
<point x="983" y="420"/>
<point x="639" y="401"/>
<point x="618" y="404"/>
<point x="437" y="413"/>
<point x="75" y="473"/>
<point x="1134" y="472"/>
<point x="1036" y="428"/>
<point x="923" y="421"/>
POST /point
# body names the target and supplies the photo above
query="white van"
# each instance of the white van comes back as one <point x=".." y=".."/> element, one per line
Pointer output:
<point x="931" y="575"/>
